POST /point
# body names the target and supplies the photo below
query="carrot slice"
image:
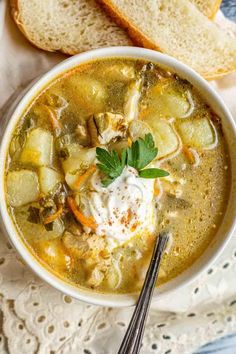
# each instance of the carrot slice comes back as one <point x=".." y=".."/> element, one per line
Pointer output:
<point x="156" y="189"/>
<point x="188" y="154"/>
<point x="81" y="179"/>
<point x="54" y="216"/>
<point x="53" y="117"/>
<point x="84" y="220"/>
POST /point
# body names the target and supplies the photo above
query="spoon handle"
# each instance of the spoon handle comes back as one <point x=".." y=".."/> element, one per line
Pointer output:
<point x="132" y="341"/>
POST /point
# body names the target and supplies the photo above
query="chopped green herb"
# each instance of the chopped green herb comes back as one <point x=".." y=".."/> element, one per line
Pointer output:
<point x="49" y="227"/>
<point x="63" y="153"/>
<point x="34" y="215"/>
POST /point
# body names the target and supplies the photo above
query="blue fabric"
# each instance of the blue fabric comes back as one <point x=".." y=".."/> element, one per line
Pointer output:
<point x="229" y="9"/>
<point x="226" y="345"/>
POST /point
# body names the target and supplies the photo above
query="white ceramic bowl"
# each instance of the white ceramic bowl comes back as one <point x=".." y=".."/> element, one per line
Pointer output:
<point x="226" y="229"/>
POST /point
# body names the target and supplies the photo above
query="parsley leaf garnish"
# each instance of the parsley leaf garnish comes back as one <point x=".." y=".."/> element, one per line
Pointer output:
<point x="110" y="164"/>
<point x="153" y="173"/>
<point x="138" y="156"/>
<point x="142" y="152"/>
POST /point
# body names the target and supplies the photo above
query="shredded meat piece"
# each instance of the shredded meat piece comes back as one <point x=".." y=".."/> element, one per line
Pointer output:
<point x="86" y="246"/>
<point x="104" y="127"/>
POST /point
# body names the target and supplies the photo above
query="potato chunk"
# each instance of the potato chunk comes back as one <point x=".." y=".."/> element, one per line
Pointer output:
<point x="164" y="135"/>
<point x="48" y="179"/>
<point x="38" y="149"/>
<point x="177" y="104"/>
<point x="87" y="93"/>
<point x="168" y="101"/>
<point x="166" y="139"/>
<point x="22" y="187"/>
<point x="199" y="133"/>
<point x="79" y="158"/>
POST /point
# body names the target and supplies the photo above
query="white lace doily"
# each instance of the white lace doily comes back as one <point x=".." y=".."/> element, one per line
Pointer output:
<point x="35" y="318"/>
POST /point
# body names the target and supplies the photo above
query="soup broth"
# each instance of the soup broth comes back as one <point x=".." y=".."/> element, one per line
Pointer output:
<point x="95" y="226"/>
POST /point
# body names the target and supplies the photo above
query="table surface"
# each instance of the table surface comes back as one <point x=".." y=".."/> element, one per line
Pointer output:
<point x="227" y="345"/>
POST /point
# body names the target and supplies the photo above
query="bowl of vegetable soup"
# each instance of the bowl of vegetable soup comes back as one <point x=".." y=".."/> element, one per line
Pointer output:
<point x="100" y="155"/>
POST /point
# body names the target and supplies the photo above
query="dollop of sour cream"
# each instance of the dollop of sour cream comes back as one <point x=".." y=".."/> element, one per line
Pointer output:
<point x="123" y="209"/>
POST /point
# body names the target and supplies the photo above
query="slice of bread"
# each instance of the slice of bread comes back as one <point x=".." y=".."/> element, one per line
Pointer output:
<point x="70" y="26"/>
<point x="208" y="7"/>
<point x="73" y="26"/>
<point x="177" y="28"/>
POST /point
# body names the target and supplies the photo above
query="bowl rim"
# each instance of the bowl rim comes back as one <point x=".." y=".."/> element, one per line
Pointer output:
<point x="9" y="228"/>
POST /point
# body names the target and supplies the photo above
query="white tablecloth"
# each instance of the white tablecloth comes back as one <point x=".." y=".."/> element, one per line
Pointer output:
<point x="35" y="318"/>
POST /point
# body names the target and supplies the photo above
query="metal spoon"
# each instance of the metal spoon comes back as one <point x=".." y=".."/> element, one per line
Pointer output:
<point x="133" y="338"/>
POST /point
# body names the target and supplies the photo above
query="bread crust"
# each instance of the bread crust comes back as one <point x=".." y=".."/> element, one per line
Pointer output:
<point x="215" y="9"/>
<point x="141" y="40"/>
<point x="212" y="11"/>
<point x="137" y="36"/>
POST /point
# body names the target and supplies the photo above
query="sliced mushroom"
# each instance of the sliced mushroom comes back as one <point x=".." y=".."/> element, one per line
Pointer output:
<point x="104" y="127"/>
